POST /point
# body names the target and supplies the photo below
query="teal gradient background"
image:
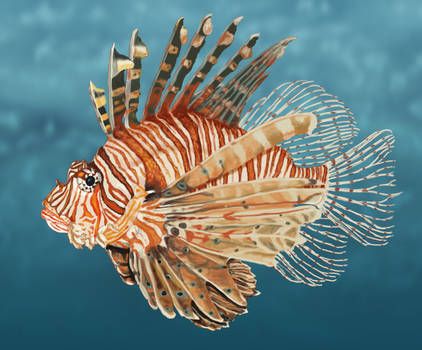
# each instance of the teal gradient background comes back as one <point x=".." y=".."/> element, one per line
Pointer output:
<point x="55" y="297"/>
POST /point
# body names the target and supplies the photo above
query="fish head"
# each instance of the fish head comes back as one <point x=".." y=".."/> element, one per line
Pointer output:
<point x="75" y="207"/>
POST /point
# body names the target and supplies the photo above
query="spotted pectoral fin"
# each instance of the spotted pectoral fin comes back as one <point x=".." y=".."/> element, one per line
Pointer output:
<point x="255" y="238"/>
<point x="285" y="191"/>
<point x="256" y="202"/>
<point x="250" y="221"/>
<point x="207" y="289"/>
<point x="293" y="240"/>
<point x="241" y="150"/>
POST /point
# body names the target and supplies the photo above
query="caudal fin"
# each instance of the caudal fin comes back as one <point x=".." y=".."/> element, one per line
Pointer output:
<point x="361" y="189"/>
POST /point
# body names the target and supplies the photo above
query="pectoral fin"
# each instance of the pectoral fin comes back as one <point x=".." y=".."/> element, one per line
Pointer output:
<point x="241" y="150"/>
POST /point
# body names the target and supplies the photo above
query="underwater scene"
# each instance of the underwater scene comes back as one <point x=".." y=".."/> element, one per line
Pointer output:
<point x="369" y="54"/>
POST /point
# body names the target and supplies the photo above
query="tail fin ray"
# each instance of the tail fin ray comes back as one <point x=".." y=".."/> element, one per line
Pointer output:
<point x="361" y="182"/>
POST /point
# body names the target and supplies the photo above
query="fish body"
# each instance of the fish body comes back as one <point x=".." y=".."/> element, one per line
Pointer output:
<point x="184" y="198"/>
<point x="172" y="145"/>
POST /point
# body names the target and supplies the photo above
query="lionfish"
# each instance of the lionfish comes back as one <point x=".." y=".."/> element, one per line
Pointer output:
<point x="184" y="198"/>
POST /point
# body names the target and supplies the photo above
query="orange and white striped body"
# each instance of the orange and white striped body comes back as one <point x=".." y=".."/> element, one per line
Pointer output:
<point x="168" y="146"/>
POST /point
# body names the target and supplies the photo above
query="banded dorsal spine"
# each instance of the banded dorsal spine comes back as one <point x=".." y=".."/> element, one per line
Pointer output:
<point x="216" y="100"/>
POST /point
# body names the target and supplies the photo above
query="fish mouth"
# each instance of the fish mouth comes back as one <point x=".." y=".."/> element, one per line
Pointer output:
<point x="54" y="221"/>
<point x="77" y="234"/>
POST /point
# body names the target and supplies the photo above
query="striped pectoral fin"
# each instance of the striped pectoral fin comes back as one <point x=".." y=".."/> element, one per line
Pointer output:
<point x="241" y="150"/>
<point x="205" y="288"/>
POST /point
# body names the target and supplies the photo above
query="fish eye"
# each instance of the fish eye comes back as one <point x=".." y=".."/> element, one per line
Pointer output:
<point x="88" y="180"/>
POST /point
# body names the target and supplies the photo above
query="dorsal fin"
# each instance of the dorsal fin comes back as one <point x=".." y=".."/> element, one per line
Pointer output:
<point x="137" y="52"/>
<point x="99" y="102"/>
<point x="178" y="38"/>
<point x="227" y="102"/>
<point x="223" y="43"/>
<point x="116" y="85"/>
<point x="224" y="102"/>
<point x="243" y="53"/>
<point x="198" y="41"/>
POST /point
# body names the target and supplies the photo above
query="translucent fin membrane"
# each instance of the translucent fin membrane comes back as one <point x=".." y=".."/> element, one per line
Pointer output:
<point x="361" y="189"/>
<point x="228" y="101"/>
<point x="178" y="38"/>
<point x="316" y="261"/>
<point x="335" y="129"/>
<point x="117" y="95"/>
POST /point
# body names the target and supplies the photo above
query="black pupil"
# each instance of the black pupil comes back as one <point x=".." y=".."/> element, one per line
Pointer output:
<point x="90" y="180"/>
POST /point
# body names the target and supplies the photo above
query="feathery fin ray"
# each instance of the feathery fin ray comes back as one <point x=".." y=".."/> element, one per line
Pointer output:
<point x="335" y="129"/>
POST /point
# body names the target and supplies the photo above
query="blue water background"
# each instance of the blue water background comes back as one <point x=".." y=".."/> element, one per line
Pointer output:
<point x="55" y="297"/>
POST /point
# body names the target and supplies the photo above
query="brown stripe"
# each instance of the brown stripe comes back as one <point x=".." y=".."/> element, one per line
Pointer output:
<point x="194" y="134"/>
<point x="110" y="203"/>
<point x="270" y="154"/>
<point x="280" y="161"/>
<point x="325" y="173"/>
<point x="67" y="198"/>
<point x="102" y="153"/>
<point x="293" y="171"/>
<point x="154" y="177"/>
<point x="259" y="164"/>
<point x="175" y="139"/>
<point x="250" y="170"/>
<point x="207" y="133"/>
<point x="161" y="144"/>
